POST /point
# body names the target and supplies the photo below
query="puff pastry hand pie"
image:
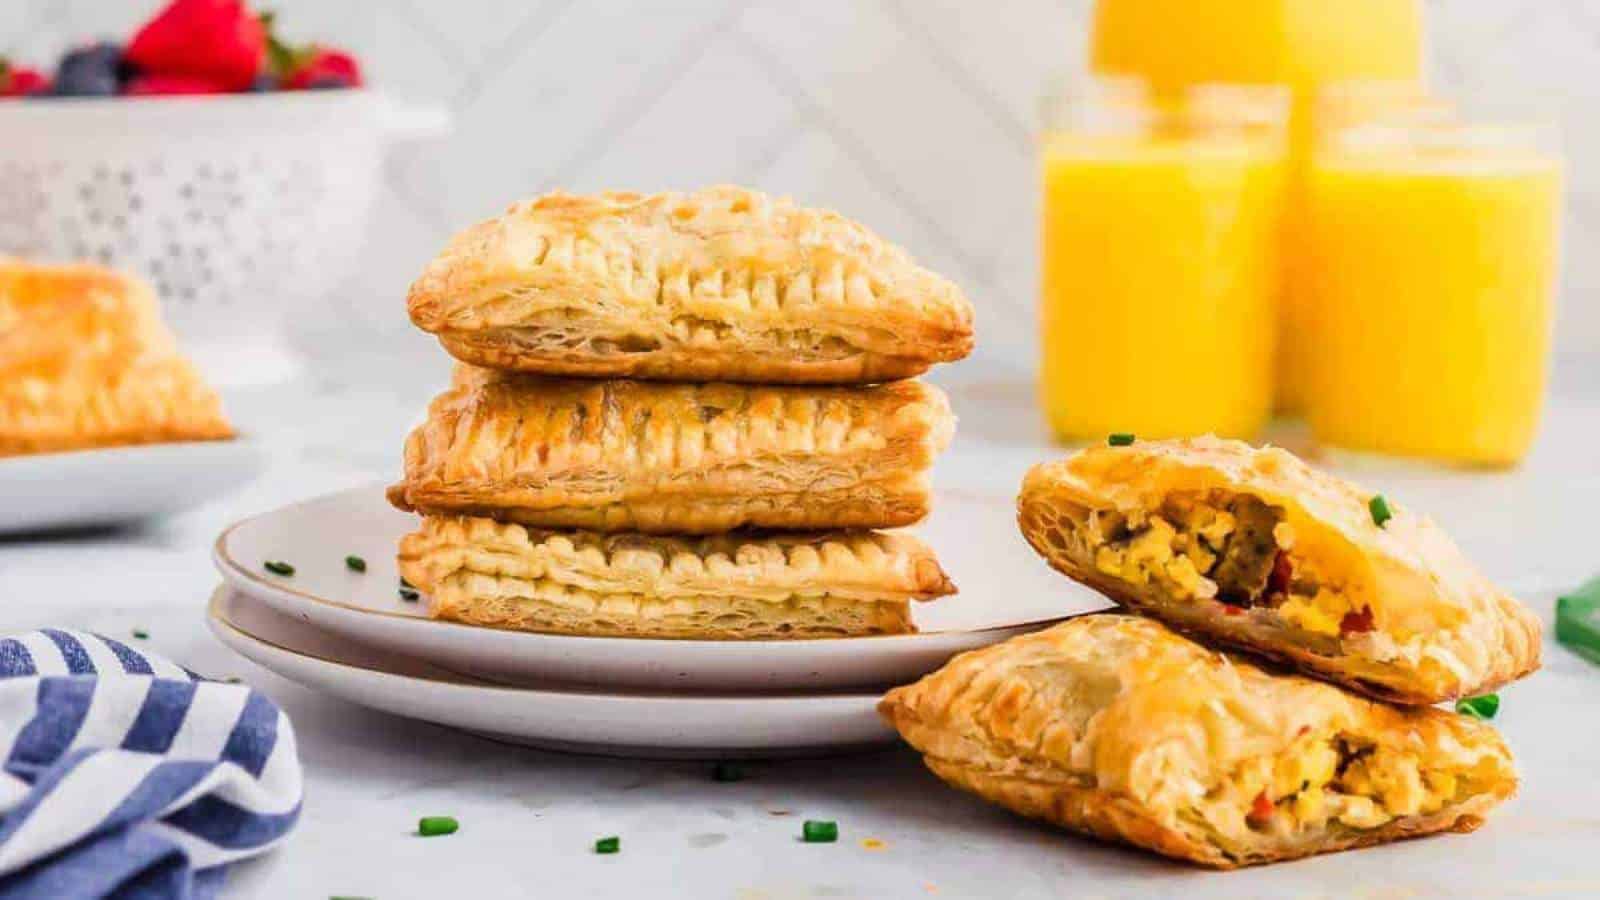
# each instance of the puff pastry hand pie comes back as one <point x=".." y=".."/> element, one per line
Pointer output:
<point x="1118" y="728"/>
<point x="615" y="455"/>
<point x="85" y="361"/>
<point x="1256" y="549"/>
<point x="726" y="587"/>
<point x="722" y="284"/>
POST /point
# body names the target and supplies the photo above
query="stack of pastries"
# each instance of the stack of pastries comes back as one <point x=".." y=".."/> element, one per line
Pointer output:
<point x="680" y="416"/>
<point x="1350" y="618"/>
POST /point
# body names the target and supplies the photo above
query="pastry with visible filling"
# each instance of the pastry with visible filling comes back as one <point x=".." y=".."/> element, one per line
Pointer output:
<point x="617" y="455"/>
<point x="721" y="284"/>
<point x="86" y="362"/>
<point x="1255" y="549"/>
<point x="1116" y="727"/>
<point x="724" y="587"/>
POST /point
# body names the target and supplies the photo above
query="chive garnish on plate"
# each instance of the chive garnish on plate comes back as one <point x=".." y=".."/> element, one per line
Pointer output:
<point x="355" y="563"/>
<point x="612" y="844"/>
<point x="141" y="634"/>
<point x="433" y="826"/>
<point x="278" y="567"/>
<point x="409" y="595"/>
<point x="819" y="832"/>
<point x="1120" y="439"/>
<point x="1379" y="508"/>
<point x="1483" y="707"/>
<point x="404" y="583"/>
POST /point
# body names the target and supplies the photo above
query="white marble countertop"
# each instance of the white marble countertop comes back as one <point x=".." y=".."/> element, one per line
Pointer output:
<point x="528" y="818"/>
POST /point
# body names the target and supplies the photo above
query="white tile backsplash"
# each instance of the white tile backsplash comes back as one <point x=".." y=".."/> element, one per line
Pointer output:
<point x="913" y="115"/>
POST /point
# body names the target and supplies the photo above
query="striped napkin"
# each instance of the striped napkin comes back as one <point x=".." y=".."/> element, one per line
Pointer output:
<point x="126" y="775"/>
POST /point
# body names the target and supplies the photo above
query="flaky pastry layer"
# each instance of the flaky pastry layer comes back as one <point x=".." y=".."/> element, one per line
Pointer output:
<point x="1254" y="548"/>
<point x="1119" y="728"/>
<point x="85" y="361"/>
<point x="616" y="455"/>
<point x="720" y="284"/>
<point x="725" y="587"/>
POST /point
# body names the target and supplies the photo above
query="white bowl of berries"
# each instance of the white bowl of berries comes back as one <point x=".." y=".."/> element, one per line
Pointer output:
<point x="235" y="172"/>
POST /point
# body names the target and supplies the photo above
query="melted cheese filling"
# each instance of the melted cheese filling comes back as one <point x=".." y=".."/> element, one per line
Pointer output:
<point x="1329" y="782"/>
<point x="1217" y="548"/>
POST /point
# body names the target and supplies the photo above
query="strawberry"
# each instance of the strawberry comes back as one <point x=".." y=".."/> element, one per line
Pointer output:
<point x="167" y="85"/>
<point x="216" y="41"/>
<point x="21" y="81"/>
<point x="323" y="67"/>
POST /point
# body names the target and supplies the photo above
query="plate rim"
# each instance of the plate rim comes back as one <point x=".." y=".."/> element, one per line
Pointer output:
<point x="464" y="682"/>
<point x="231" y="568"/>
<point x="240" y="440"/>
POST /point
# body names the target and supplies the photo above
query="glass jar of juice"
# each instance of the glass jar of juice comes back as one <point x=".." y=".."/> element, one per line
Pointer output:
<point x="1433" y="252"/>
<point x="1160" y="259"/>
<point x="1305" y="44"/>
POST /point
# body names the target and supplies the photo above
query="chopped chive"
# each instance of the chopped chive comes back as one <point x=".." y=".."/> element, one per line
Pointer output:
<point x="819" y="832"/>
<point x="404" y="583"/>
<point x="1483" y="707"/>
<point x="727" y="771"/>
<point x="278" y="568"/>
<point x="432" y="826"/>
<point x="408" y="595"/>
<point x="1120" y="439"/>
<point x="140" y="633"/>
<point x="355" y="563"/>
<point x="1379" y="508"/>
<point x="612" y="844"/>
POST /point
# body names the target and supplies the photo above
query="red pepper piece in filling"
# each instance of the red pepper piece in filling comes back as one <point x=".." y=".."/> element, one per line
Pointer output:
<point x="1282" y="572"/>
<point x="1357" y="622"/>
<point x="1260" y="810"/>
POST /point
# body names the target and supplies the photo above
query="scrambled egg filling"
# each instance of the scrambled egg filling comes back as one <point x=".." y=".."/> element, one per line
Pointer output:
<point x="1233" y="550"/>
<point x="1331" y="780"/>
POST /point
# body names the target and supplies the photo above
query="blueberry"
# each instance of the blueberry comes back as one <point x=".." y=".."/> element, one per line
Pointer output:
<point x="92" y="71"/>
<point x="264" y="83"/>
<point x="327" y="83"/>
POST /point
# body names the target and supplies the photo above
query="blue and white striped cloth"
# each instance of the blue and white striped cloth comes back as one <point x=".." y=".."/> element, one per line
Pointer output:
<point x="128" y="776"/>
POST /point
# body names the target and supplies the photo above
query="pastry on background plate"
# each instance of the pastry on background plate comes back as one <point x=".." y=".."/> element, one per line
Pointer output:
<point x="724" y="587"/>
<point x="1253" y="548"/>
<point x="85" y="362"/>
<point x="721" y="284"/>
<point x="1117" y="727"/>
<point x="616" y="455"/>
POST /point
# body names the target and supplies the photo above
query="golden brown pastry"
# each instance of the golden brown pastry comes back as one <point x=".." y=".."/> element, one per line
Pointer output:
<point x="1258" y="550"/>
<point x="1116" y="727"/>
<point x="614" y="455"/>
<point x="722" y="284"/>
<point x="726" y="587"/>
<point x="85" y="361"/>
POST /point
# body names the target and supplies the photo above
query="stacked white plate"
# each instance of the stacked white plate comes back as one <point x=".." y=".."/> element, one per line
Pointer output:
<point x="352" y="634"/>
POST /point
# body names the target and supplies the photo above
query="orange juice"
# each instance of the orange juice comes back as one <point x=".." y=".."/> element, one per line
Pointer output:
<point x="1301" y="43"/>
<point x="1431" y="296"/>
<point x="1160" y="267"/>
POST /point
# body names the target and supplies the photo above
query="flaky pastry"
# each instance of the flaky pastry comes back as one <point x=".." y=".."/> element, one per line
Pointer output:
<point x="615" y="455"/>
<point x="721" y="284"/>
<point x="1119" y="728"/>
<point x="724" y="587"/>
<point x="1254" y="548"/>
<point x="85" y="361"/>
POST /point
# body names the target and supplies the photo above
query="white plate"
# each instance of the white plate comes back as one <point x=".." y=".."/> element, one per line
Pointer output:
<point x="1005" y="590"/>
<point x="117" y="485"/>
<point x="560" y="717"/>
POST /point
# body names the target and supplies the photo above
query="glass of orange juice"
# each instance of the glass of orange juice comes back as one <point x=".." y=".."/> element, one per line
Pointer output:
<point x="1160" y="258"/>
<point x="1432" y="248"/>
<point x="1305" y="44"/>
